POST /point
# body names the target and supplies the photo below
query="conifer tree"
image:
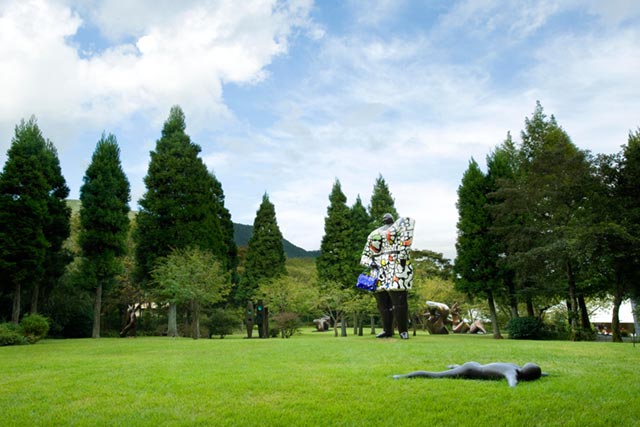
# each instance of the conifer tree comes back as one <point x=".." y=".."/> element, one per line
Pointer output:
<point x="360" y="229"/>
<point x="179" y="208"/>
<point x="474" y="266"/>
<point x="34" y="219"/>
<point x="104" y="220"/>
<point x="381" y="203"/>
<point x="265" y="254"/>
<point x="334" y="264"/>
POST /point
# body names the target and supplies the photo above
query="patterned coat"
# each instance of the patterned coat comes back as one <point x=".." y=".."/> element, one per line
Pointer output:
<point x="388" y="249"/>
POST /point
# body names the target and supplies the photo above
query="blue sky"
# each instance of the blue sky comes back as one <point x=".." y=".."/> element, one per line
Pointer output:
<point x="287" y="97"/>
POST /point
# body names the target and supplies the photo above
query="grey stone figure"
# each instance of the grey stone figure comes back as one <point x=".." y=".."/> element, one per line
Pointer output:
<point x="491" y="371"/>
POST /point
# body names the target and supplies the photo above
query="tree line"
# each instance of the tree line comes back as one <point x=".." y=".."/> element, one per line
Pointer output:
<point x="546" y="223"/>
<point x="177" y="255"/>
<point x="549" y="223"/>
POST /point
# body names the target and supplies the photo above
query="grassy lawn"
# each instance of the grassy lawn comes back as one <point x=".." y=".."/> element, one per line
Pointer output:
<point x="313" y="379"/>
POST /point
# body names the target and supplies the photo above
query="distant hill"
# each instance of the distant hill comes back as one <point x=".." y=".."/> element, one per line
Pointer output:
<point x="242" y="233"/>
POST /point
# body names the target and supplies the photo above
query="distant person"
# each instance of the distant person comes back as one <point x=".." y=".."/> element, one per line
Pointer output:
<point x="387" y="253"/>
<point x="491" y="371"/>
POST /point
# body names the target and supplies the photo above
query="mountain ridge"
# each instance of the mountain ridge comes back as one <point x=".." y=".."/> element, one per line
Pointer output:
<point x="241" y="235"/>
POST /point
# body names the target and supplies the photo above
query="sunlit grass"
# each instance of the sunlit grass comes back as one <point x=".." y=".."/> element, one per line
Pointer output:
<point x="312" y="379"/>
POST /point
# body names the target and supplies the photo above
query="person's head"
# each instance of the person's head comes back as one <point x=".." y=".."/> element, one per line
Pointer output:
<point x="529" y="372"/>
<point x="387" y="219"/>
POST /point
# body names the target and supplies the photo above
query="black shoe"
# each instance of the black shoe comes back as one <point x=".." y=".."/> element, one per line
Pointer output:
<point x="404" y="335"/>
<point x="383" y="334"/>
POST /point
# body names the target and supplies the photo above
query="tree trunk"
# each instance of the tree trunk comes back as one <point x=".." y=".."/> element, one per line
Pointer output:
<point x="15" y="312"/>
<point x="373" y="325"/>
<point x="513" y="299"/>
<point x="530" y="310"/>
<point x="356" y="320"/>
<point x="584" y="313"/>
<point x="195" y="307"/>
<point x="34" y="298"/>
<point x="494" y="316"/>
<point x="615" y="315"/>
<point x="97" y="307"/>
<point x="343" y="328"/>
<point x="172" y="327"/>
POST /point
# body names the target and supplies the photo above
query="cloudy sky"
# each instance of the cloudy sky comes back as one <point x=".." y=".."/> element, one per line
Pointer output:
<point x="286" y="97"/>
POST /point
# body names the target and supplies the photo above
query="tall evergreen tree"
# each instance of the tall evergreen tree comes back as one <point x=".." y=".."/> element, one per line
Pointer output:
<point x="381" y="203"/>
<point x="34" y="219"/>
<point x="265" y="254"/>
<point x="502" y="167"/>
<point x="475" y="265"/>
<point x="545" y="207"/>
<point x="104" y="220"/>
<point x="336" y="249"/>
<point x="360" y="229"/>
<point x="615" y="235"/>
<point x="179" y="208"/>
<point x="230" y="258"/>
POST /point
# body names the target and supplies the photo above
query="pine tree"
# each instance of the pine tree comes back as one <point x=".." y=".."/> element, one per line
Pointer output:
<point x="33" y="217"/>
<point x="474" y="266"/>
<point x="381" y="203"/>
<point x="265" y="254"/>
<point x="230" y="258"/>
<point x="334" y="264"/>
<point x="104" y="220"/>
<point x="360" y="229"/>
<point x="179" y="208"/>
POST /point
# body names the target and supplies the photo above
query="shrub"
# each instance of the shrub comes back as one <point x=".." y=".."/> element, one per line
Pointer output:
<point x="221" y="323"/>
<point x="288" y="323"/>
<point x="9" y="335"/>
<point x="525" y="328"/>
<point x="34" y="327"/>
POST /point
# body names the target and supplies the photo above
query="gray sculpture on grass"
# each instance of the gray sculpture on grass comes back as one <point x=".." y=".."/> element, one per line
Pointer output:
<point x="491" y="371"/>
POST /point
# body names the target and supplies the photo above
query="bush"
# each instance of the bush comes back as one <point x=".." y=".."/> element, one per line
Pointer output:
<point x="10" y="335"/>
<point x="34" y="327"/>
<point x="288" y="323"/>
<point x="525" y="328"/>
<point x="221" y="323"/>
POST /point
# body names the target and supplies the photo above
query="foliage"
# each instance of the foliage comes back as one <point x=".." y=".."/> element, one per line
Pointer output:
<point x="475" y="267"/>
<point x="221" y="322"/>
<point x="34" y="327"/>
<point x="334" y="264"/>
<point x="104" y="219"/>
<point x="265" y="255"/>
<point x="191" y="276"/>
<point x="180" y="207"/>
<point x="289" y="294"/>
<point x="360" y="229"/>
<point x="381" y="203"/>
<point x="10" y="335"/>
<point x="529" y="328"/>
<point x="288" y="323"/>
<point x="34" y="219"/>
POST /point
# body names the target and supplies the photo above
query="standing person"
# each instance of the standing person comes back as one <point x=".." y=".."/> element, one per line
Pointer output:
<point x="387" y="253"/>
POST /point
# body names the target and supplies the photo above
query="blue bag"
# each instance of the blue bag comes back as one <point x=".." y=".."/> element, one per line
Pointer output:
<point x="367" y="282"/>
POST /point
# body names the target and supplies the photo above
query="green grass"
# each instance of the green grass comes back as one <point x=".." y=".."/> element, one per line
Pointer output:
<point x="313" y="379"/>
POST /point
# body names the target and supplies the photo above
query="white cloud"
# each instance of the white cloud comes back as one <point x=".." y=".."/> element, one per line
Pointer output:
<point x="177" y="56"/>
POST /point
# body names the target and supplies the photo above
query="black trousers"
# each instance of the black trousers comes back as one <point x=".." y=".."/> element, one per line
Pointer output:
<point x="393" y="305"/>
